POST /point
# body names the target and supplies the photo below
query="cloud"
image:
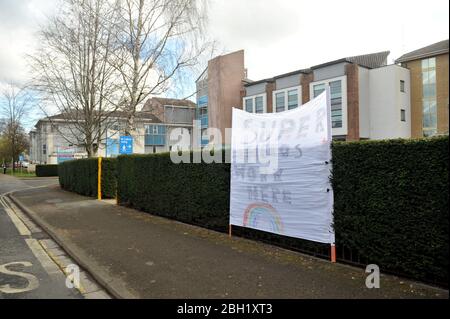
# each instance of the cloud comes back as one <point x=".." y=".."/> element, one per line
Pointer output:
<point x="19" y="21"/>
<point x="285" y="35"/>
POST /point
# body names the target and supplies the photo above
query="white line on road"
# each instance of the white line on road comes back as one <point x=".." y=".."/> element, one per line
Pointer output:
<point x="23" y="230"/>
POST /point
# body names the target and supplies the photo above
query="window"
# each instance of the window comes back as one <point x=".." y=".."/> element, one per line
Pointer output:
<point x="403" y="115"/>
<point x="336" y="100"/>
<point x="318" y="88"/>
<point x="429" y="104"/>
<point x="255" y="103"/>
<point x="44" y="149"/>
<point x="402" y="86"/>
<point x="155" y="135"/>
<point x="279" y="102"/>
<point x="203" y="116"/>
<point x="259" y="104"/>
<point x="249" y="105"/>
<point x="293" y="101"/>
<point x="286" y="99"/>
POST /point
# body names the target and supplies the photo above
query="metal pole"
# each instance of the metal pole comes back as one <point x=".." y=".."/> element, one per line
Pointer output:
<point x="99" y="179"/>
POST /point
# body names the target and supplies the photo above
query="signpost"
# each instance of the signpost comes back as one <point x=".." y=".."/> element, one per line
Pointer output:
<point x="126" y="145"/>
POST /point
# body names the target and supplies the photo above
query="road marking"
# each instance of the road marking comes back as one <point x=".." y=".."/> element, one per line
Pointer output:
<point x="46" y="262"/>
<point x="32" y="284"/>
<point x="23" y="230"/>
<point x="52" y="263"/>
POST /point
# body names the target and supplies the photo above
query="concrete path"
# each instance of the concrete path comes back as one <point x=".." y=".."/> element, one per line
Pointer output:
<point x="137" y="255"/>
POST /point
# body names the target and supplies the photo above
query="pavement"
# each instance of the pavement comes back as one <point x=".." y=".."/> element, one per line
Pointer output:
<point x="133" y="254"/>
<point x="32" y="265"/>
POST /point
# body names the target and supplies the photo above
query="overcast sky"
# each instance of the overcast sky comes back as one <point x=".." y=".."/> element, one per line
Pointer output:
<point x="278" y="36"/>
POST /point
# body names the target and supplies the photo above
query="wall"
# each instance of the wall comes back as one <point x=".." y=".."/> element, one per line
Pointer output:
<point x="386" y="100"/>
<point x="225" y="75"/>
<point x="330" y="71"/>
<point x="255" y="89"/>
<point x="352" y="73"/>
<point x="364" y="106"/>
<point x="442" y="93"/>
<point x="287" y="82"/>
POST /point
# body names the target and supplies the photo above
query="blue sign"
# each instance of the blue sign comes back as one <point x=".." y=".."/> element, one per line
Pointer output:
<point x="126" y="145"/>
<point x="20" y="158"/>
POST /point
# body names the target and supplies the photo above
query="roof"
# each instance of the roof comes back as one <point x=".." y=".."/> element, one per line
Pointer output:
<point x="428" y="51"/>
<point x="258" y="82"/>
<point x="116" y="114"/>
<point x="370" y="61"/>
<point x="174" y="102"/>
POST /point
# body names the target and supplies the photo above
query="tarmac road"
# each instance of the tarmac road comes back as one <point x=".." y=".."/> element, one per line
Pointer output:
<point x="26" y="271"/>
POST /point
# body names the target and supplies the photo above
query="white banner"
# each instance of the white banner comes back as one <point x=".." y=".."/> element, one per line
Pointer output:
<point x="280" y="171"/>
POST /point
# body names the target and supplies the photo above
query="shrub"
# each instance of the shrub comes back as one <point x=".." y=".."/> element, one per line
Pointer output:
<point x="80" y="176"/>
<point x="391" y="200"/>
<point x="47" y="170"/>
<point x="192" y="193"/>
<point x="391" y="204"/>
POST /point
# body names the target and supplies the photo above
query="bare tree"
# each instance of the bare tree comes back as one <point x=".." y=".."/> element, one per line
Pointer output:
<point x="15" y="105"/>
<point x="159" y="39"/>
<point x="73" y="69"/>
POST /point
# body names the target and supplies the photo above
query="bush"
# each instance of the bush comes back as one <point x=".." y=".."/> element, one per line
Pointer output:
<point x="47" y="170"/>
<point x="391" y="204"/>
<point x="391" y="200"/>
<point x="80" y="176"/>
<point x="192" y="193"/>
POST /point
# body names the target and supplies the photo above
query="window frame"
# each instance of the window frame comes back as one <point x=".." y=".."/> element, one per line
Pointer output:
<point x="150" y="131"/>
<point x="429" y="69"/>
<point x="343" y="78"/>
<point x="402" y="86"/>
<point x="253" y="98"/>
<point x="403" y="115"/>
<point x="286" y="98"/>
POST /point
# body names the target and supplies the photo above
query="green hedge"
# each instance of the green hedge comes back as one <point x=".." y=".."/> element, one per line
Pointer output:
<point x="391" y="202"/>
<point x="80" y="176"/>
<point x="47" y="170"/>
<point x="192" y="193"/>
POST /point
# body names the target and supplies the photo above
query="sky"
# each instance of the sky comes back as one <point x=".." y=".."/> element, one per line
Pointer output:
<point x="278" y="36"/>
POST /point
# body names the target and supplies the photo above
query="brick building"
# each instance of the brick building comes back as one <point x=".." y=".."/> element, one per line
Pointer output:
<point x="429" y="88"/>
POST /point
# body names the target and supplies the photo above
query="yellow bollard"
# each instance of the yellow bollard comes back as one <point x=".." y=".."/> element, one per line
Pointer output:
<point x="99" y="179"/>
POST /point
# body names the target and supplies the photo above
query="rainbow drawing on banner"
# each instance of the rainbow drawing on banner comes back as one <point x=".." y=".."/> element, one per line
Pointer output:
<point x="262" y="212"/>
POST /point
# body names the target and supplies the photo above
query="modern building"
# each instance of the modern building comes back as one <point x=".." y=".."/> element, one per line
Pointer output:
<point x="369" y="98"/>
<point x="218" y="91"/>
<point x="53" y="139"/>
<point x="428" y="67"/>
<point x="171" y="114"/>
